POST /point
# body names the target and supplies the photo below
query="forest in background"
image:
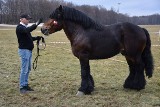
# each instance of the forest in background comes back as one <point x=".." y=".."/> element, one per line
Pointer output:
<point x="10" y="11"/>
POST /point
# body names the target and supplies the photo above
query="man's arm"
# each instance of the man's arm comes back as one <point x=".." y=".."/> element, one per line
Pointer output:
<point x="34" y="26"/>
<point x="31" y="28"/>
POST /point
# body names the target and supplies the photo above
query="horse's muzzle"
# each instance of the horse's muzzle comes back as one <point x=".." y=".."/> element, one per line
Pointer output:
<point x="45" y="31"/>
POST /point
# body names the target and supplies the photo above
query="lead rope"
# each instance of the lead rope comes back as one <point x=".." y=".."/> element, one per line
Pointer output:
<point x="36" y="59"/>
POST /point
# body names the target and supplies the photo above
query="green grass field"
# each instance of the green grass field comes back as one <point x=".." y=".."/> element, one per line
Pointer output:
<point x="57" y="77"/>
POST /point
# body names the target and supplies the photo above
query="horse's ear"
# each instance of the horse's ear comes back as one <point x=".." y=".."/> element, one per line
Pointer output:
<point x="60" y="7"/>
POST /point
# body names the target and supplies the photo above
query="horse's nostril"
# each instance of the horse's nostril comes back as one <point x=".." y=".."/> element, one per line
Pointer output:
<point x="47" y="27"/>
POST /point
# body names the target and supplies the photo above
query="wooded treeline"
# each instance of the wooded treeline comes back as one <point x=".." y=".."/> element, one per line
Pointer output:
<point x="10" y="11"/>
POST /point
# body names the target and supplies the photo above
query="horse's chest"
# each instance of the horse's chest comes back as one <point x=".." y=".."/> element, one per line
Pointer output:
<point x="80" y="47"/>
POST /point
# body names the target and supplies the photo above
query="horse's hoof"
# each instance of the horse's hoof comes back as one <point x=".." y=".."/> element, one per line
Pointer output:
<point x="80" y="93"/>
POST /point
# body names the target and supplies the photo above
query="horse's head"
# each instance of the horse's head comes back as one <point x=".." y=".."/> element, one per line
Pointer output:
<point x="54" y="23"/>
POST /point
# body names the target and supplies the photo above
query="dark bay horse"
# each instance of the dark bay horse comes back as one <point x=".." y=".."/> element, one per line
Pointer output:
<point x="91" y="40"/>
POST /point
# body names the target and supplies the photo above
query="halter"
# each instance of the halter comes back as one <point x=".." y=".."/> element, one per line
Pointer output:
<point x="36" y="59"/>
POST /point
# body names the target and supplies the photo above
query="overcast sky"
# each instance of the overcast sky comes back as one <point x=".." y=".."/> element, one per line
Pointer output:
<point x="130" y="7"/>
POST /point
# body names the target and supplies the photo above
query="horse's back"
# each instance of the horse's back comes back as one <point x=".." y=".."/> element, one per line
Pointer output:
<point x="132" y="28"/>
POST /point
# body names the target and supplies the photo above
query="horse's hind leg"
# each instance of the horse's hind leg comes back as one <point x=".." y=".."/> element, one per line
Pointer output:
<point x="87" y="83"/>
<point x="129" y="81"/>
<point x="136" y="79"/>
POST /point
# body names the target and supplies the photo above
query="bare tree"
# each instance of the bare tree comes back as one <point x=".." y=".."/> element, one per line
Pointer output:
<point x="10" y="11"/>
<point x="1" y="10"/>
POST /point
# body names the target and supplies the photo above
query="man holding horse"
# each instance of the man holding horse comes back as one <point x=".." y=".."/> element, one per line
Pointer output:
<point x="25" y="41"/>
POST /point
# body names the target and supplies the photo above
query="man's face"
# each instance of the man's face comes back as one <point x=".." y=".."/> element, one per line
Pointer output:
<point x="25" y="21"/>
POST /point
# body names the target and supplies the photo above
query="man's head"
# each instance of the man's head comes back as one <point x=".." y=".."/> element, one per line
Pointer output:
<point x="25" y="18"/>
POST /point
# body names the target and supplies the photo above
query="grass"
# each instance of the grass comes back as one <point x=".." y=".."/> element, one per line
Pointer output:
<point x="57" y="77"/>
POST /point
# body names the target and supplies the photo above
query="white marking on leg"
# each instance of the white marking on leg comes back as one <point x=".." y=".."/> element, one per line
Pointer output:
<point x="80" y="94"/>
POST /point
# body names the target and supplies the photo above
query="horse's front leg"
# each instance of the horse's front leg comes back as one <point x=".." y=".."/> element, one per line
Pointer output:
<point x="87" y="83"/>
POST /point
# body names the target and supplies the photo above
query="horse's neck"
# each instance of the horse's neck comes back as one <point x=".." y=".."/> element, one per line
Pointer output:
<point x="71" y="30"/>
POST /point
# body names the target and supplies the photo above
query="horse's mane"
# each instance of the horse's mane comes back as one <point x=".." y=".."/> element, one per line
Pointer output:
<point x="80" y="18"/>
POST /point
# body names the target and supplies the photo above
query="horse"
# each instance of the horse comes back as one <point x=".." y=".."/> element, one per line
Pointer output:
<point x="91" y="40"/>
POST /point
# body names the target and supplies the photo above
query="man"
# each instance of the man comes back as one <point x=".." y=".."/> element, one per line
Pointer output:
<point x="25" y="41"/>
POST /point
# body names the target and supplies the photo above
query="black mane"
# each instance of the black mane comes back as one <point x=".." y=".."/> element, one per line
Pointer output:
<point x="80" y="18"/>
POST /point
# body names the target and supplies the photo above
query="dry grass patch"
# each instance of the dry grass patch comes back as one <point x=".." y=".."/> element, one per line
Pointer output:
<point x="57" y="77"/>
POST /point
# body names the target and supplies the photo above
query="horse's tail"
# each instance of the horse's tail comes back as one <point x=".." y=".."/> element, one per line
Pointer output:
<point x="147" y="56"/>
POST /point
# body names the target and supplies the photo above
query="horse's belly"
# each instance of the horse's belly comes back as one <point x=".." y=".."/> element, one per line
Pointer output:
<point x="103" y="55"/>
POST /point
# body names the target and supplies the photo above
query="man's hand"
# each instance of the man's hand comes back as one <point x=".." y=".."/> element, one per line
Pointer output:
<point x="39" y="21"/>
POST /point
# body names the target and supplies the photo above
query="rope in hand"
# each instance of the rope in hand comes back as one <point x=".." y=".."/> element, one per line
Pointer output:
<point x="36" y="59"/>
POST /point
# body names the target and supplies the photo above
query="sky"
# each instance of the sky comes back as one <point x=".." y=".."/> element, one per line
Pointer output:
<point x="130" y="7"/>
